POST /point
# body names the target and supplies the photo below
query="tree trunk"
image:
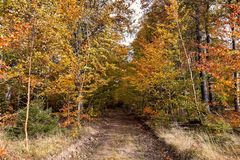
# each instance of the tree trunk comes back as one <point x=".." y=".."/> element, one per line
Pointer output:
<point x="82" y="76"/>
<point x="237" y="100"/>
<point x="80" y="107"/>
<point x="210" y="88"/>
<point x="208" y="41"/>
<point x="28" y="91"/>
<point x="188" y="60"/>
<point x="237" y="82"/>
<point x="18" y="98"/>
<point x="28" y="102"/>
<point x="8" y="94"/>
<point x="203" y="75"/>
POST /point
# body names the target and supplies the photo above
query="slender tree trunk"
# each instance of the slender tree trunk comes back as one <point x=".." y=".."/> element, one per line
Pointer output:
<point x="18" y="98"/>
<point x="28" y="103"/>
<point x="189" y="66"/>
<point x="188" y="60"/>
<point x="83" y="78"/>
<point x="80" y="105"/>
<point x="203" y="75"/>
<point x="28" y="92"/>
<point x="8" y="94"/>
<point x="78" y="77"/>
<point x="237" y="100"/>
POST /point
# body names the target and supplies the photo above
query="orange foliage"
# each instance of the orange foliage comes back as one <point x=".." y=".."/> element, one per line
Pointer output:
<point x="3" y="69"/>
<point x="70" y="116"/>
<point x="10" y="40"/>
<point x="149" y="111"/>
<point x="8" y="119"/>
<point x="233" y="118"/>
<point x="3" y="152"/>
<point x="85" y="117"/>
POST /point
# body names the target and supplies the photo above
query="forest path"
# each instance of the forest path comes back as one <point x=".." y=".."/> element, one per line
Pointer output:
<point x="120" y="137"/>
<point x="125" y="138"/>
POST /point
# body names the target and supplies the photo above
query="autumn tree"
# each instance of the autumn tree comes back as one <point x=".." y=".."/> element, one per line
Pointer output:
<point x="37" y="46"/>
<point x="163" y="63"/>
<point x="223" y="54"/>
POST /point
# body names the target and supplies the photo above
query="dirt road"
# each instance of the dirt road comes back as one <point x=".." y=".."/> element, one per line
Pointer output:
<point x="119" y="136"/>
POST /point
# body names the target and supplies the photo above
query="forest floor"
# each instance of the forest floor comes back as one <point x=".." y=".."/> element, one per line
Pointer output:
<point x="118" y="136"/>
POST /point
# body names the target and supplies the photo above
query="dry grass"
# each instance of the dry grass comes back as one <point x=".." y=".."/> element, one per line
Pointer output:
<point x="201" y="145"/>
<point x="39" y="147"/>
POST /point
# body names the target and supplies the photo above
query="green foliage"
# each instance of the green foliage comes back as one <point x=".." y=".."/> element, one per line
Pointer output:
<point x="162" y="120"/>
<point x="93" y="111"/>
<point x="3" y="104"/>
<point x="40" y="121"/>
<point x="216" y="125"/>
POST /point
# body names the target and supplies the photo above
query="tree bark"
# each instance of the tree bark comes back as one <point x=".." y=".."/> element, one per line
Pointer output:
<point x="208" y="41"/>
<point x="237" y="82"/>
<point x="203" y="75"/>
<point x="237" y="100"/>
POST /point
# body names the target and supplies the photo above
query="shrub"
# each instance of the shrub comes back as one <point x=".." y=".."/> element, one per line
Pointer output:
<point x="217" y="124"/>
<point x="93" y="111"/>
<point x="40" y="121"/>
